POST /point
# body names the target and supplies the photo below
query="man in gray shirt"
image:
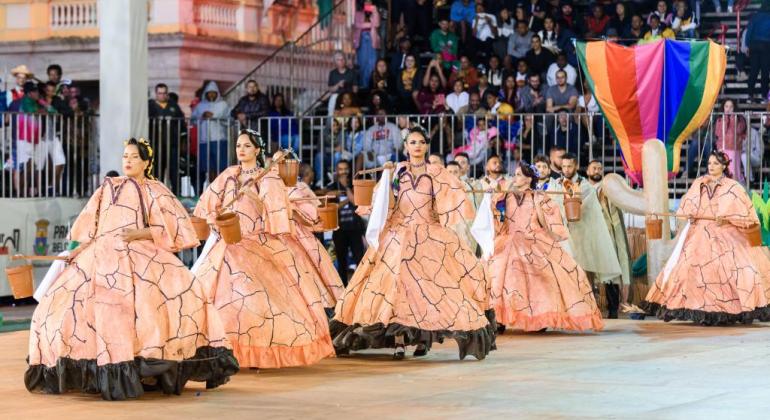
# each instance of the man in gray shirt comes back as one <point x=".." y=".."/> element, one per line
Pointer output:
<point x="520" y="42"/>
<point x="531" y="98"/>
<point x="558" y="98"/>
<point x="381" y="142"/>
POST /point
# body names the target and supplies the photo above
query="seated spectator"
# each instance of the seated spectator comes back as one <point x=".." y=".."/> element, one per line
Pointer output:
<point x="398" y="58"/>
<point x="341" y="80"/>
<point x="484" y="31"/>
<point x="494" y="72"/>
<point x="562" y="96"/>
<point x="531" y="98"/>
<point x="210" y="117"/>
<point x="366" y="39"/>
<point x="597" y="23"/>
<point x="284" y="128"/>
<point x="635" y="32"/>
<point x="324" y="159"/>
<point x="522" y="73"/>
<point x="353" y="141"/>
<point x="379" y="100"/>
<point x="484" y="88"/>
<point x="538" y="58"/>
<point x="587" y="104"/>
<point x="435" y="68"/>
<point x="473" y="108"/>
<point x="657" y="30"/>
<point x="480" y="139"/>
<point x="520" y="42"/>
<point x="568" y="18"/>
<point x="251" y="107"/>
<point x="408" y="83"/>
<point x="444" y="42"/>
<point x="550" y="35"/>
<point x="462" y="14"/>
<point x="566" y="133"/>
<point x="431" y="99"/>
<point x="621" y="22"/>
<point x="381" y="78"/>
<point x="661" y="11"/>
<point x="684" y="23"/>
<point x="466" y="73"/>
<point x="506" y="26"/>
<point x="561" y="64"/>
<point x="458" y="98"/>
<point x="382" y="142"/>
<point x="492" y="103"/>
<point x="346" y="106"/>
<point x="538" y="14"/>
<point x="532" y="133"/>
<point x="508" y="92"/>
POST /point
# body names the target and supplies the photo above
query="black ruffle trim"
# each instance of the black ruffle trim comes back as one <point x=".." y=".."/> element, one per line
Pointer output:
<point x="477" y="343"/>
<point x="130" y="379"/>
<point x="703" y="317"/>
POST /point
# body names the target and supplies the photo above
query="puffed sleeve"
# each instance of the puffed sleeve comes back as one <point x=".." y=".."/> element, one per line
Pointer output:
<point x="451" y="201"/>
<point x="552" y="216"/>
<point x="736" y="207"/>
<point x="85" y="226"/>
<point x="309" y="204"/>
<point x="275" y="197"/>
<point x="168" y="220"/>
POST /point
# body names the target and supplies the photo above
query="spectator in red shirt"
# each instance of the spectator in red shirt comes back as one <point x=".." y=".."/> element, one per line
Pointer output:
<point x="597" y="22"/>
<point x="467" y="73"/>
<point x="431" y="99"/>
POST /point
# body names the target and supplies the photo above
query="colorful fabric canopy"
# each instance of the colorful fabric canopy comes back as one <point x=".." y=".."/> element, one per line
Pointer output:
<point x="663" y="90"/>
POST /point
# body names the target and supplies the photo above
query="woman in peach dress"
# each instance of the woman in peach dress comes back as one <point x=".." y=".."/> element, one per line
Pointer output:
<point x="306" y="223"/>
<point x="268" y="295"/>
<point x="126" y="315"/>
<point x="718" y="278"/>
<point x="535" y="283"/>
<point x="422" y="284"/>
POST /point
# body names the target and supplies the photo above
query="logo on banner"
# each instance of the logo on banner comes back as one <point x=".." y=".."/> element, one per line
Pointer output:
<point x="41" y="237"/>
<point x="14" y="240"/>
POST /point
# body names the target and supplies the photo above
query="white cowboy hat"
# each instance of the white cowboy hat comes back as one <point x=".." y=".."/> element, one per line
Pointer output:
<point x="22" y="69"/>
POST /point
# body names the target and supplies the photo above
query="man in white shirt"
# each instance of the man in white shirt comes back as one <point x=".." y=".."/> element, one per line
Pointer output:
<point x="561" y="64"/>
<point x="484" y="29"/>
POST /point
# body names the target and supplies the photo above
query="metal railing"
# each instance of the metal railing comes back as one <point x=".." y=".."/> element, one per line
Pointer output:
<point x="190" y="153"/>
<point x="299" y="69"/>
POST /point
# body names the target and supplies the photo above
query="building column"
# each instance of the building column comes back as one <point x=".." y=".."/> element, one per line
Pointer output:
<point x="123" y="89"/>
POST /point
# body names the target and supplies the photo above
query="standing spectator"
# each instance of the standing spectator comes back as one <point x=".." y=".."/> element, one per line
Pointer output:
<point x="758" y="38"/>
<point x="597" y="23"/>
<point x="4" y="94"/>
<point x="430" y="99"/>
<point x="664" y="16"/>
<point x="538" y="13"/>
<point x="210" y="117"/>
<point x="284" y="128"/>
<point x="341" y="80"/>
<point x="251" y="107"/>
<point x="366" y="40"/>
<point x="349" y="237"/>
<point x="718" y="6"/>
<point x="568" y="18"/>
<point x="508" y="92"/>
<point x="398" y="58"/>
<point x="506" y="26"/>
<point x="730" y="132"/>
<point x="462" y="13"/>
<point x="22" y="75"/>
<point x="531" y="98"/>
<point x="684" y="23"/>
<point x="458" y="98"/>
<point x="484" y="31"/>
<point x="408" y="84"/>
<point x="538" y="58"/>
<point x="495" y="74"/>
<point x="382" y="142"/>
<point x="26" y="128"/>
<point x="466" y="73"/>
<point x="57" y="110"/>
<point x="549" y="36"/>
<point x="444" y="42"/>
<point x="419" y="20"/>
<point x="54" y="72"/>
<point x="561" y="64"/>
<point x="520" y="42"/>
<point x="167" y="130"/>
<point x="621" y="22"/>
<point x="635" y="32"/>
<point x="657" y="30"/>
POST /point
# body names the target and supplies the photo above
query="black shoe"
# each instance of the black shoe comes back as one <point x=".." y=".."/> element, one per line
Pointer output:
<point x="543" y="330"/>
<point x="500" y="329"/>
<point x="420" y="351"/>
<point x="613" y="299"/>
<point x="399" y="353"/>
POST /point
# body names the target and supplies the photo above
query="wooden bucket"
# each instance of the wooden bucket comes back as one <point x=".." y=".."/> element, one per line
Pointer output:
<point x="363" y="189"/>
<point x="329" y="216"/>
<point x="20" y="279"/>
<point x="753" y="235"/>
<point x="572" y="208"/>
<point x="230" y="227"/>
<point x="288" y="170"/>
<point x="201" y="227"/>
<point x="653" y="228"/>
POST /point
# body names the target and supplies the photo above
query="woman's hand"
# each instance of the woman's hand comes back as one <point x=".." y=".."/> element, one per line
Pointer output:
<point x="279" y="156"/>
<point x="721" y="221"/>
<point x="130" y="235"/>
<point x="75" y="252"/>
<point x="364" y="210"/>
<point x="389" y="166"/>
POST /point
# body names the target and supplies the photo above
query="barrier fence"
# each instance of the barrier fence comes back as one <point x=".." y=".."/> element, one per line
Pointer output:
<point x="53" y="155"/>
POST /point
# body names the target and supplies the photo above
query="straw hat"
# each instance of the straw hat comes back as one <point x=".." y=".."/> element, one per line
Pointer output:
<point x="22" y="69"/>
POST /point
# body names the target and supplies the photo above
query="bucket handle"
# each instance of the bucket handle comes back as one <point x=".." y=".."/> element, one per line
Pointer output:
<point x="38" y="257"/>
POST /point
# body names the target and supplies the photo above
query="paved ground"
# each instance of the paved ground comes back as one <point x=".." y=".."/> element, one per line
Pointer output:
<point x="634" y="369"/>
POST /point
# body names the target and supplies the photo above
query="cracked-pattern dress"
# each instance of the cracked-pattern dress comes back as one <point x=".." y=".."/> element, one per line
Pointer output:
<point x="719" y="278"/>
<point x="268" y="295"/>
<point x="304" y="240"/>
<point x="535" y="283"/>
<point x="126" y="316"/>
<point x="423" y="282"/>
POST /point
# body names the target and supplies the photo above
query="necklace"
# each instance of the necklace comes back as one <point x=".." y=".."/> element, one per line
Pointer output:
<point x="249" y="171"/>
<point x="417" y="165"/>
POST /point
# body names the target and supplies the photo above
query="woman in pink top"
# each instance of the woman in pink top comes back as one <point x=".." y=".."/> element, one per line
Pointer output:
<point x="366" y="40"/>
<point x="730" y="132"/>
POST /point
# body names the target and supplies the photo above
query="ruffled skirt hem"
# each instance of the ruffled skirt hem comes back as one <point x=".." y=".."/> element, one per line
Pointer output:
<point x="761" y="314"/>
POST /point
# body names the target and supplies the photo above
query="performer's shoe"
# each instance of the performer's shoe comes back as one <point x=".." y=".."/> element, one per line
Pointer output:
<point x="543" y="330"/>
<point x="421" y="350"/>
<point x="500" y="329"/>
<point x="399" y="353"/>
